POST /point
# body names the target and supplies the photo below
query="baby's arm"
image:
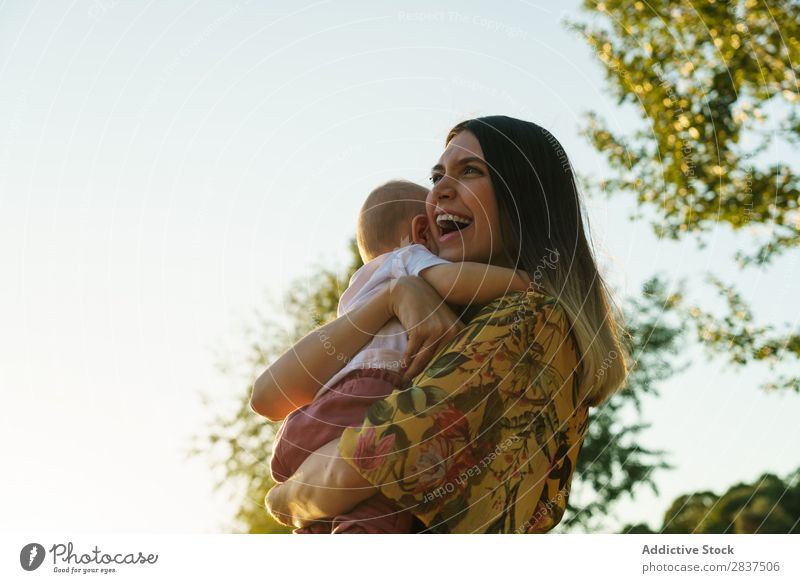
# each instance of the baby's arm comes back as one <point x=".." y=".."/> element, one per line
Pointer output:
<point x="467" y="282"/>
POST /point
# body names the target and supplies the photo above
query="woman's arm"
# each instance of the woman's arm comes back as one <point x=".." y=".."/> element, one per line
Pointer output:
<point x="324" y="486"/>
<point x="465" y="283"/>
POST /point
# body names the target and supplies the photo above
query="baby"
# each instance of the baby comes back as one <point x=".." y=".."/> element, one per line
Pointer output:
<point x="394" y="240"/>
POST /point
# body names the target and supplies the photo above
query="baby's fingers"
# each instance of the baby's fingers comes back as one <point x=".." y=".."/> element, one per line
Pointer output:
<point x="418" y="363"/>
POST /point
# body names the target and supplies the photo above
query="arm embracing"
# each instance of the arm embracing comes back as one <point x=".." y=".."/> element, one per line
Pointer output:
<point x="467" y="282"/>
<point x="324" y="485"/>
<point x="293" y="380"/>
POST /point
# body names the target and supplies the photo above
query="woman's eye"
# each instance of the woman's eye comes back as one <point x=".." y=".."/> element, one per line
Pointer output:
<point x="468" y="168"/>
<point x="435" y="178"/>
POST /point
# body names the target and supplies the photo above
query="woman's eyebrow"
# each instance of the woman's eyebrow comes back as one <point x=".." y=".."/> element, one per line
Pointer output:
<point x="467" y="160"/>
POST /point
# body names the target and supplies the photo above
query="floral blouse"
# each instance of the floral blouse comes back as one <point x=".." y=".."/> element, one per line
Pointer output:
<point x="486" y="439"/>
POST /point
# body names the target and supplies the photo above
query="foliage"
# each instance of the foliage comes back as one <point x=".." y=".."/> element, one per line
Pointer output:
<point x="770" y="505"/>
<point x="742" y="341"/>
<point x="715" y="88"/>
<point x="702" y="75"/>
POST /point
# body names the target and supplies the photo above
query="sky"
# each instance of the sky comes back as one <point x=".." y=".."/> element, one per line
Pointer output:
<point x="168" y="168"/>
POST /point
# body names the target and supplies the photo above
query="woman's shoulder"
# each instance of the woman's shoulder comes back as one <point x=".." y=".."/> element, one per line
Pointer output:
<point x="532" y="318"/>
<point x="527" y="305"/>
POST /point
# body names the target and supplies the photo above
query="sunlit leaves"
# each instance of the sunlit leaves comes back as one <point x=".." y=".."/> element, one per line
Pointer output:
<point x="699" y="75"/>
<point x="715" y="85"/>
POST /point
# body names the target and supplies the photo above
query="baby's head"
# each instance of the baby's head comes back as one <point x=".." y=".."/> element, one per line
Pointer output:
<point x="392" y="216"/>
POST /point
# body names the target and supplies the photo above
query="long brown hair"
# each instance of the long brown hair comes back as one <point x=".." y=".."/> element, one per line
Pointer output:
<point x="542" y="219"/>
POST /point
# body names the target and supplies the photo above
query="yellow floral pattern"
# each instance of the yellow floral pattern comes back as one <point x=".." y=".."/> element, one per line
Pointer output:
<point x="486" y="439"/>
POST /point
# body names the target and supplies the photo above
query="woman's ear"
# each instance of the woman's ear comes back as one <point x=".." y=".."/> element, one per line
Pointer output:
<point x="421" y="232"/>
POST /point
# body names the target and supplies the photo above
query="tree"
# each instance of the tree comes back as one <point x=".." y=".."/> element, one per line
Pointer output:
<point x="239" y="442"/>
<point x="770" y="505"/>
<point x="715" y="86"/>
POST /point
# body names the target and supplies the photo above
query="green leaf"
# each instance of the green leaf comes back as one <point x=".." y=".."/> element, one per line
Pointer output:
<point x="380" y="412"/>
<point x="445" y="364"/>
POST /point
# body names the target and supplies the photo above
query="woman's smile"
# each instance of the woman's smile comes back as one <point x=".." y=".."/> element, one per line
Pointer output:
<point x="451" y="224"/>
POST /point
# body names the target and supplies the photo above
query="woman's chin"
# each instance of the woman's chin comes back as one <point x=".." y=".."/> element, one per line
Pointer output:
<point x="453" y="247"/>
<point x="453" y="252"/>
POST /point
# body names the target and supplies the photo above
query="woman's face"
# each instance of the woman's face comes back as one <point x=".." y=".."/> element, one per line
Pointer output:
<point x="462" y="208"/>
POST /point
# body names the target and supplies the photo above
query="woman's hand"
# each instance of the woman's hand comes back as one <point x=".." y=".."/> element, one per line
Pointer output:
<point x="323" y="486"/>
<point x="430" y="324"/>
<point x="277" y="504"/>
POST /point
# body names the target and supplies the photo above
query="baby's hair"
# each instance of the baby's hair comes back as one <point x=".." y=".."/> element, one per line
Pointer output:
<point x="388" y="209"/>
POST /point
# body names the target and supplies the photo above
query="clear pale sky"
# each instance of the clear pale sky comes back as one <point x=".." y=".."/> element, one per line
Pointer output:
<point x="165" y="167"/>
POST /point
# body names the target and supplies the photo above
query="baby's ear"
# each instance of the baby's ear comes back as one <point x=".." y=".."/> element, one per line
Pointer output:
<point x="421" y="232"/>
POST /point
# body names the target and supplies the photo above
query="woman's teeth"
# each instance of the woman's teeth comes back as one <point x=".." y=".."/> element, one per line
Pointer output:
<point x="449" y="223"/>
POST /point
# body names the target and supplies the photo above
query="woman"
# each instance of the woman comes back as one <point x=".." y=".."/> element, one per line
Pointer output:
<point x="487" y="436"/>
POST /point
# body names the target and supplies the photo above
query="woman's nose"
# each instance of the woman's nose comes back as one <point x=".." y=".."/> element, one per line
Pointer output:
<point x="443" y="189"/>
